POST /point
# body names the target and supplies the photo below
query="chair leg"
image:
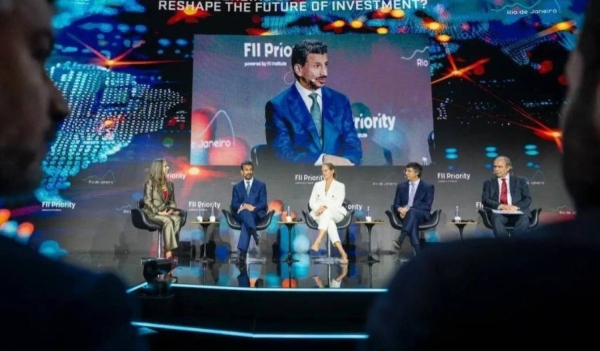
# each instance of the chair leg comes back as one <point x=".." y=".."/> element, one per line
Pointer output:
<point x="160" y="253"/>
<point x="161" y="243"/>
<point x="422" y="240"/>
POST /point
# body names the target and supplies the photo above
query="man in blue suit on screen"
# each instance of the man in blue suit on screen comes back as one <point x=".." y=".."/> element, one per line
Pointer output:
<point x="248" y="206"/>
<point x="412" y="204"/>
<point x="309" y="123"/>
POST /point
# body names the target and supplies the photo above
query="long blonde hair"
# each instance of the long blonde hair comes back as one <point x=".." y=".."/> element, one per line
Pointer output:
<point x="157" y="176"/>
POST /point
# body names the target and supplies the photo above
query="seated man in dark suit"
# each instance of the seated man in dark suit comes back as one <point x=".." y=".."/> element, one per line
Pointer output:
<point x="248" y="206"/>
<point x="537" y="292"/>
<point x="45" y="303"/>
<point x="509" y="194"/>
<point x="412" y="204"/>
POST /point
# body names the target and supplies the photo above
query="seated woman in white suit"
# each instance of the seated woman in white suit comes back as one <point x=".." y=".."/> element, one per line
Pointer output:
<point x="326" y="208"/>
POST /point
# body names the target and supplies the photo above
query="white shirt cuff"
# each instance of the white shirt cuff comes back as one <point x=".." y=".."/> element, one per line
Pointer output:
<point x="320" y="160"/>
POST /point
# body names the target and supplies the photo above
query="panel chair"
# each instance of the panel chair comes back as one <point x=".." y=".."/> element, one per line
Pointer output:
<point x="343" y="224"/>
<point x="140" y="220"/>
<point x="262" y="225"/>
<point x="533" y="220"/>
<point x="433" y="221"/>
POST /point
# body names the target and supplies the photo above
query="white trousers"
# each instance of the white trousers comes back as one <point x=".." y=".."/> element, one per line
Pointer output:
<point x="327" y="221"/>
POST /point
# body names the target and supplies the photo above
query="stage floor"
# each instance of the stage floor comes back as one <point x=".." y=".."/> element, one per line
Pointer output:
<point x="262" y="271"/>
<point x="265" y="303"/>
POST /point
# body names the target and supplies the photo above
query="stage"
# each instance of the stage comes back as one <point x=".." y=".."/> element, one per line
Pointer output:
<point x="266" y="299"/>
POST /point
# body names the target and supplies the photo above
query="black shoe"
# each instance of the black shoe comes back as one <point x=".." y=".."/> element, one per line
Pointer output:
<point x="397" y="244"/>
<point x="242" y="256"/>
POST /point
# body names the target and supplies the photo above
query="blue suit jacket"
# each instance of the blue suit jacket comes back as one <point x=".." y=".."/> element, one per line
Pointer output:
<point x="423" y="197"/>
<point x="292" y="134"/>
<point x="519" y="193"/>
<point x="257" y="197"/>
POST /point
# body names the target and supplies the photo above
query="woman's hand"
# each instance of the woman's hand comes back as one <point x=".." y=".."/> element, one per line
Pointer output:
<point x="163" y="213"/>
<point x="321" y="210"/>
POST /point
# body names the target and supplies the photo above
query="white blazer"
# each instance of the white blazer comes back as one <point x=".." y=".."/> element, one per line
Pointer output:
<point x="333" y="199"/>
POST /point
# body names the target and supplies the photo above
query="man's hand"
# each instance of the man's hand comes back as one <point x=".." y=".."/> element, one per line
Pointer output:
<point x="248" y="207"/>
<point x="508" y="208"/>
<point x="402" y="211"/>
<point x="337" y="160"/>
<point x="512" y="208"/>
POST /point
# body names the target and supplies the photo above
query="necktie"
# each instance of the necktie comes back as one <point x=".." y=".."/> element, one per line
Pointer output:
<point x="315" y="112"/>
<point x="411" y="194"/>
<point x="504" y="193"/>
<point x="248" y="188"/>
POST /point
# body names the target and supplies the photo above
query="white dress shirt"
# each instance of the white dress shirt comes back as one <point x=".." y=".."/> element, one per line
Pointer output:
<point x="414" y="184"/>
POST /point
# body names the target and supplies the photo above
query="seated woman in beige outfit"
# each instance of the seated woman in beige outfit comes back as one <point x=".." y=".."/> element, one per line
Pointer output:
<point x="160" y="206"/>
<point x="326" y="208"/>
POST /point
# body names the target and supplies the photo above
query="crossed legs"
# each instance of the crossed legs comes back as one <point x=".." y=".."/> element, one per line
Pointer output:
<point x="327" y="224"/>
<point x="248" y="221"/>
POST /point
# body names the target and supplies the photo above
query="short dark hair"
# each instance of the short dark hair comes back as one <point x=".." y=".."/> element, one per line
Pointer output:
<point x="302" y="49"/>
<point x="246" y="163"/>
<point x="416" y="167"/>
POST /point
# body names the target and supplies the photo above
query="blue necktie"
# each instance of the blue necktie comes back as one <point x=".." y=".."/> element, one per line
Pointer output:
<point x="247" y="188"/>
<point x="315" y="112"/>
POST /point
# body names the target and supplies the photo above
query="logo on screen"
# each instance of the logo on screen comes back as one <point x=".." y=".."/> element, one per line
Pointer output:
<point x="307" y="178"/>
<point x="517" y="8"/>
<point x="355" y="207"/>
<point x="203" y="206"/>
<point x="452" y="177"/>
<point x="381" y="121"/>
<point x="57" y="206"/>
<point x="176" y="175"/>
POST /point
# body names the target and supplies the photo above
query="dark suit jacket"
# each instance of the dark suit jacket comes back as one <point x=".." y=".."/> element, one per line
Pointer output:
<point x="423" y="197"/>
<point x="519" y="192"/>
<point x="154" y="200"/>
<point x="293" y="137"/>
<point x="47" y="303"/>
<point x="538" y="292"/>
<point x="257" y="197"/>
